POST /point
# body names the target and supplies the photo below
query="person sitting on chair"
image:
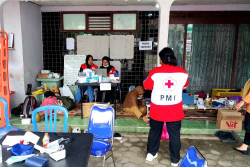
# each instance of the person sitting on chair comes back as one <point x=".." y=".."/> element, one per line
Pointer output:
<point x="110" y="70"/>
<point x="134" y="104"/>
<point x="90" y="89"/>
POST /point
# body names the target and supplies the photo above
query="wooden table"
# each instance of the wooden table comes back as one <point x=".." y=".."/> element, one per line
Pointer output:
<point x="81" y="85"/>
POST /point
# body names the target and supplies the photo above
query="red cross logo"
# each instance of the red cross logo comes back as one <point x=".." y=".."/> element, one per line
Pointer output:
<point x="169" y="84"/>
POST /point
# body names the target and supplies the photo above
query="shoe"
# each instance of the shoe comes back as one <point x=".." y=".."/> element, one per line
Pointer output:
<point x="150" y="157"/>
<point x="174" y="164"/>
<point x="117" y="136"/>
<point x="241" y="151"/>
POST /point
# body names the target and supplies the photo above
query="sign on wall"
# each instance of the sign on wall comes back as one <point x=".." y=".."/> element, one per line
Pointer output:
<point x="145" y="45"/>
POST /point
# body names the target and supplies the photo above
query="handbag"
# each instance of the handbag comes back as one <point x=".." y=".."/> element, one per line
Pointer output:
<point x="164" y="134"/>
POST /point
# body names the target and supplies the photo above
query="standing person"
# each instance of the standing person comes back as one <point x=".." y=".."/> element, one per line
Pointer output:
<point x="90" y="89"/>
<point x="166" y="83"/>
<point x="110" y="70"/>
<point x="134" y="104"/>
<point x="246" y="99"/>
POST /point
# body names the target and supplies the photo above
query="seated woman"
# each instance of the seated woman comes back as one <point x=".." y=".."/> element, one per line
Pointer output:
<point x="90" y="89"/>
<point x="110" y="70"/>
<point x="134" y="104"/>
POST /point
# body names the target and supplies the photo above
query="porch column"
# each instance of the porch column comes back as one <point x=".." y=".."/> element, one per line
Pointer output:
<point x="164" y="14"/>
<point x="2" y="3"/>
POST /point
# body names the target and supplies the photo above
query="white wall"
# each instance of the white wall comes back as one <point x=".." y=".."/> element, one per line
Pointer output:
<point x="225" y="7"/>
<point x="25" y="60"/>
<point x="12" y="23"/>
<point x="1" y="18"/>
<point x="31" y="21"/>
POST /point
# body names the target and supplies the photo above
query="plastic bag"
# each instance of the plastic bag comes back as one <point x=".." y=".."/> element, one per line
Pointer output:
<point x="21" y="149"/>
<point x="164" y="134"/>
<point x="65" y="91"/>
<point x="36" y="161"/>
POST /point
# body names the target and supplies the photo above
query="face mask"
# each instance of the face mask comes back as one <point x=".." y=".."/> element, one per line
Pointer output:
<point x="139" y="98"/>
<point x="106" y="66"/>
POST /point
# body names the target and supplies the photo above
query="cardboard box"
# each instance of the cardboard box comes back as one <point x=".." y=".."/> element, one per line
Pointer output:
<point x="223" y="110"/>
<point x="86" y="109"/>
<point x="42" y="76"/>
<point x="230" y="121"/>
<point x="88" y="106"/>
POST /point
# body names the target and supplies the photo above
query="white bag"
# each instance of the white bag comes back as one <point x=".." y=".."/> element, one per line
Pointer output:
<point x="65" y="91"/>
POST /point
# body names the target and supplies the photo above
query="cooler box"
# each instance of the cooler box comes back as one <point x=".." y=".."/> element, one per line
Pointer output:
<point x="188" y="98"/>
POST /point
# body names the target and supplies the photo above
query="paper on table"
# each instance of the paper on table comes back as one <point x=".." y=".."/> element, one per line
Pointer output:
<point x="12" y="140"/>
<point x="29" y="136"/>
<point x="105" y="86"/>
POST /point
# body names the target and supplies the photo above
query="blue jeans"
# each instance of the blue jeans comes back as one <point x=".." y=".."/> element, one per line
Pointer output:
<point x="90" y="92"/>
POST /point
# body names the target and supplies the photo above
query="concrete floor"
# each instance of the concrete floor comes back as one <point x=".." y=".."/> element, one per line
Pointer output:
<point x="132" y="152"/>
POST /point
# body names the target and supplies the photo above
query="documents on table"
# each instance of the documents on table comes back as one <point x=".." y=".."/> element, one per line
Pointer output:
<point x="105" y="86"/>
<point x="27" y="137"/>
<point x="12" y="140"/>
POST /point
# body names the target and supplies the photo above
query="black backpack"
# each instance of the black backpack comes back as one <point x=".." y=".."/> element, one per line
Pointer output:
<point x="17" y="111"/>
<point x="30" y="103"/>
<point x="67" y="102"/>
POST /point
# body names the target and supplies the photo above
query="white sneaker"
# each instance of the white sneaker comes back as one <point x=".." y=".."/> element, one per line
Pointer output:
<point x="174" y="164"/>
<point x="150" y="157"/>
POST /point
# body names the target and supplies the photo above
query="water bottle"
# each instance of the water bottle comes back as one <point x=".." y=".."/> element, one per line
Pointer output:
<point x="46" y="139"/>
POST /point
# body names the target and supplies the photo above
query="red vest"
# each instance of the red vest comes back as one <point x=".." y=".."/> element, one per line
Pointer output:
<point x="166" y="83"/>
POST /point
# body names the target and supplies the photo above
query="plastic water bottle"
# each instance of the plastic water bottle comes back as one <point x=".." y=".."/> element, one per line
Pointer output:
<point x="46" y="139"/>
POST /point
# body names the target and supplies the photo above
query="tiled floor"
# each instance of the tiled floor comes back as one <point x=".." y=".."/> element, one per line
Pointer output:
<point x="132" y="152"/>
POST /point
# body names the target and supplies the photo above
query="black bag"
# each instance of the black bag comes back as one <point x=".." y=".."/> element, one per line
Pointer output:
<point x="30" y="103"/>
<point x="225" y="136"/>
<point x="67" y="102"/>
<point x="18" y="110"/>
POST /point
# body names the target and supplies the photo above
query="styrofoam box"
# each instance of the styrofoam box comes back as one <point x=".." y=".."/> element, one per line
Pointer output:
<point x="26" y="121"/>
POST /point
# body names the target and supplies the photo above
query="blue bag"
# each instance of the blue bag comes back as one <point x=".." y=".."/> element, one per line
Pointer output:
<point x="36" y="161"/>
<point x="21" y="149"/>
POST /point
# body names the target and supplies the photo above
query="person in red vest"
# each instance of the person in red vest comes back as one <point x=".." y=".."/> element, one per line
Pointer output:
<point x="110" y="70"/>
<point x="89" y="65"/>
<point x="167" y="83"/>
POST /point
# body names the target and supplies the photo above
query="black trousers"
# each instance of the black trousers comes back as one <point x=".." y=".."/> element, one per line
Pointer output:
<point x="247" y="128"/>
<point x="154" y="138"/>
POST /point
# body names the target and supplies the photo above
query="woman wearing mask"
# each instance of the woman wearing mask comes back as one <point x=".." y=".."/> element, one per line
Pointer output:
<point x="110" y="70"/>
<point x="246" y="100"/>
<point x="134" y="104"/>
<point x="90" y="89"/>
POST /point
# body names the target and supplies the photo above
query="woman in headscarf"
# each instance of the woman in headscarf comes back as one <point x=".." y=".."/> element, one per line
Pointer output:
<point x="246" y="100"/>
<point x="88" y="64"/>
<point x="90" y="89"/>
<point x="106" y="65"/>
<point x="134" y="104"/>
<point x="110" y="70"/>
